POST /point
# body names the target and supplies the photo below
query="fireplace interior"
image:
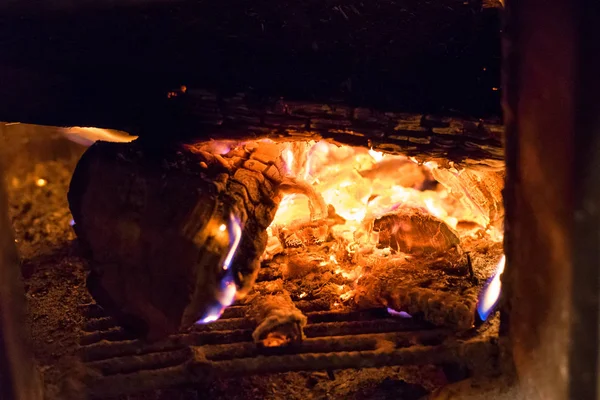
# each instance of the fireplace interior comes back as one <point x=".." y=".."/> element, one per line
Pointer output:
<point x="364" y="256"/>
<point x="259" y="202"/>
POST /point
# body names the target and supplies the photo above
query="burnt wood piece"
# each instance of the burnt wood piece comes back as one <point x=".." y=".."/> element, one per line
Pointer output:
<point x="425" y="136"/>
<point x="279" y="322"/>
<point x="414" y="231"/>
<point x="159" y="228"/>
<point x="109" y="65"/>
<point x="436" y="288"/>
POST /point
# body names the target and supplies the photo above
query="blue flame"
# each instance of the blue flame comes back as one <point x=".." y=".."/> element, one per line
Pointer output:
<point x="399" y="314"/>
<point x="227" y="287"/>
<point x="491" y="292"/>
<point x="235" y="235"/>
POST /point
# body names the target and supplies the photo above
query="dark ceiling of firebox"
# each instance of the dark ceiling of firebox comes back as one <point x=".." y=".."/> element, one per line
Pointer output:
<point x="111" y="66"/>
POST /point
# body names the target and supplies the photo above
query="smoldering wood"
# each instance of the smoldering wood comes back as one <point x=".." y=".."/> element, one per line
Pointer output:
<point x="426" y="136"/>
<point x="279" y="321"/>
<point x="436" y="288"/>
<point x="150" y="222"/>
<point x="307" y="233"/>
<point x="478" y="190"/>
<point x="414" y="231"/>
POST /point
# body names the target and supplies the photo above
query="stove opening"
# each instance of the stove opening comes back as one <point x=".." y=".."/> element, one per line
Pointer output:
<point x="350" y="227"/>
<point x="278" y="257"/>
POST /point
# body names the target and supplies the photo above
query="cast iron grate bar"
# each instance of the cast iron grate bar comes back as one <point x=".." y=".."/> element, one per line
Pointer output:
<point x="123" y="364"/>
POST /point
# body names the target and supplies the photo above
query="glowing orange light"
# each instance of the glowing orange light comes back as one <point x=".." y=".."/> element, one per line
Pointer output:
<point x="87" y="136"/>
<point x="359" y="185"/>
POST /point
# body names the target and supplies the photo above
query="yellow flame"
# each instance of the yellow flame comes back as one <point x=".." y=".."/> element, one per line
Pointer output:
<point x="87" y="135"/>
<point x="288" y="158"/>
<point x="377" y="155"/>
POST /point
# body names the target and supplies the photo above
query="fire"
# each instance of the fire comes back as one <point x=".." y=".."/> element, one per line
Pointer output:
<point x="362" y="184"/>
<point x="333" y="198"/>
<point x="398" y="314"/>
<point x="491" y="293"/>
<point x="87" y="136"/>
<point x="227" y="290"/>
<point x="235" y="235"/>
<point x="377" y="155"/>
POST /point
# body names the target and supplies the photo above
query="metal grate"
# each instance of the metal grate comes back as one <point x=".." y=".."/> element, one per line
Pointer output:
<point x="122" y="364"/>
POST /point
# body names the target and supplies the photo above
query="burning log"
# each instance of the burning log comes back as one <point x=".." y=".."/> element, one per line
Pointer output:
<point x="479" y="190"/>
<point x="302" y="234"/>
<point x="174" y="237"/>
<point x="278" y="321"/>
<point x="413" y="231"/>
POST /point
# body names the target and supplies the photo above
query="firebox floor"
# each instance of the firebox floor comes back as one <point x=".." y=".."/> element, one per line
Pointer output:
<point x="70" y="335"/>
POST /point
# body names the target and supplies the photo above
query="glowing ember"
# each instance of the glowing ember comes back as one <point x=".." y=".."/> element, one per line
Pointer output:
<point x="360" y="186"/>
<point x="41" y="182"/>
<point x="491" y="293"/>
<point x="363" y="184"/>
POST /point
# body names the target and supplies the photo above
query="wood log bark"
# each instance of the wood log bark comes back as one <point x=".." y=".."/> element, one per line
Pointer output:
<point x="426" y="136"/>
<point x="169" y="233"/>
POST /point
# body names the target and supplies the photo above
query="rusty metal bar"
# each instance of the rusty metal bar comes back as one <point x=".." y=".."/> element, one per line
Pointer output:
<point x="415" y="355"/>
<point x="472" y="353"/>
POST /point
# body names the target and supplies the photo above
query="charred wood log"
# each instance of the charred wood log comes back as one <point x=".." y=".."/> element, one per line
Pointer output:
<point x="413" y="231"/>
<point x="172" y="235"/>
<point x="279" y="321"/>
<point x="436" y="288"/>
<point x="426" y="136"/>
